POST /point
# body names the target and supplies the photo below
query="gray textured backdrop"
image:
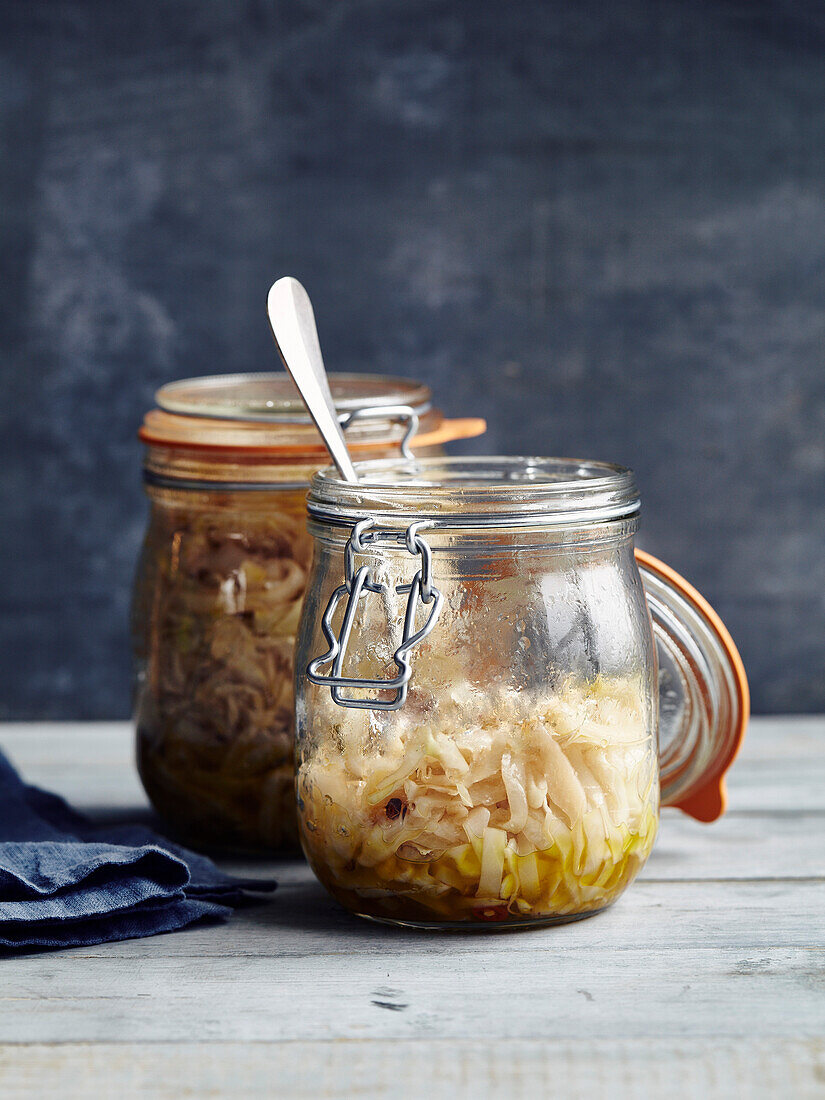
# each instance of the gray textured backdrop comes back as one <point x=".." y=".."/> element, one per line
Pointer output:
<point x="600" y="225"/>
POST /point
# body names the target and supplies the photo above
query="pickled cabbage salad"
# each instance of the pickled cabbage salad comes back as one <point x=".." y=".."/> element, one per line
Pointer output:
<point x="215" y="633"/>
<point x="499" y="806"/>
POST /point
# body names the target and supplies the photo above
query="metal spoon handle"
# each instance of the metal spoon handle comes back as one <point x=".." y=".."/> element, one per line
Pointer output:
<point x="296" y="338"/>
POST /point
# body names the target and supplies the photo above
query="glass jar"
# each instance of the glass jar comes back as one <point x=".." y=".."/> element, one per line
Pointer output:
<point x="220" y="585"/>
<point x="479" y="689"/>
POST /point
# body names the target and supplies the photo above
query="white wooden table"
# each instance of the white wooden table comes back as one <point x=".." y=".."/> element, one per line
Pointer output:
<point x="706" y="979"/>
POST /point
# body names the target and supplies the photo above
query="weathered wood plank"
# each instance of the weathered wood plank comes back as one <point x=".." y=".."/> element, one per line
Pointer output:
<point x="556" y="990"/>
<point x="90" y="763"/>
<point x="303" y="923"/>
<point x="577" y="1069"/>
<point x="775" y="845"/>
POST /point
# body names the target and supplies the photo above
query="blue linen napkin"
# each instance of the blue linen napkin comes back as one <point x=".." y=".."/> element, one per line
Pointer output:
<point x="65" y="881"/>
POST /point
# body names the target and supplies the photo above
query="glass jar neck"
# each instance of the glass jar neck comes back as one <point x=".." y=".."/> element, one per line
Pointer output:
<point x="567" y="539"/>
<point x="477" y="495"/>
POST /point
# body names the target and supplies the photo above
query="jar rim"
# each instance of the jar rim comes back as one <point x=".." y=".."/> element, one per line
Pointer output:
<point x="477" y="491"/>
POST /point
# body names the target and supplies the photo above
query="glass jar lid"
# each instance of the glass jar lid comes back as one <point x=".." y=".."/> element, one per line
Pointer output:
<point x="477" y="492"/>
<point x="271" y="398"/>
<point x="262" y="414"/>
<point x="704" y="701"/>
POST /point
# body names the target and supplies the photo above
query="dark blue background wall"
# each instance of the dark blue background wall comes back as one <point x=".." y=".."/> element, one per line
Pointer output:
<point x="601" y="225"/>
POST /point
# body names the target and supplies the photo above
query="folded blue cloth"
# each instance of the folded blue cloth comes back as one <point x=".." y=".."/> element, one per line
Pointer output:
<point x="65" y="881"/>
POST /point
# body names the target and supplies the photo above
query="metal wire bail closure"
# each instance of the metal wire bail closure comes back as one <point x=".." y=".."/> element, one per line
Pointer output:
<point x="404" y="414"/>
<point x="357" y="583"/>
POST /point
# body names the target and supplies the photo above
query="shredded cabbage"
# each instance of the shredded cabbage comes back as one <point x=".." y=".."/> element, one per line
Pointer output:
<point x="216" y="616"/>
<point x="498" y="807"/>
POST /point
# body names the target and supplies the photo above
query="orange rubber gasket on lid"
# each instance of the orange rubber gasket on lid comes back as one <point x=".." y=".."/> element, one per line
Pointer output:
<point x="466" y="427"/>
<point x="710" y="800"/>
<point x="447" y="432"/>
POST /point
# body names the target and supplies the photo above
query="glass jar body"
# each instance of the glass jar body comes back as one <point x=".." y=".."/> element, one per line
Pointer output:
<point x="217" y="601"/>
<point x="518" y="784"/>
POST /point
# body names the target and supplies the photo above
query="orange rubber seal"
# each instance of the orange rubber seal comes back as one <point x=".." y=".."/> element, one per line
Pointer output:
<point x="156" y="431"/>
<point x="448" y="431"/>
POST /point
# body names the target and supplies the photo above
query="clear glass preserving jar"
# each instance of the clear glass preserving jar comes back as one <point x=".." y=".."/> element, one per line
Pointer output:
<point x="493" y="689"/>
<point x="220" y="584"/>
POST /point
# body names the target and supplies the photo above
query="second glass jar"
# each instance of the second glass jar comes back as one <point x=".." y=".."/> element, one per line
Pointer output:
<point x="220" y="586"/>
